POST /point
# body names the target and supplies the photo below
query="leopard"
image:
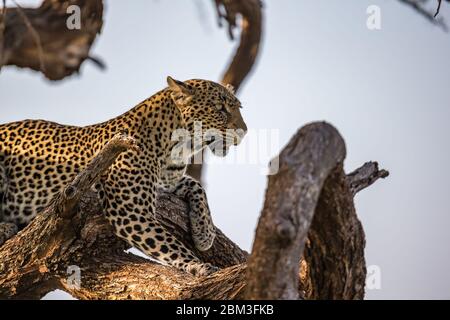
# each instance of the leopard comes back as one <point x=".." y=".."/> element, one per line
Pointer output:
<point x="38" y="158"/>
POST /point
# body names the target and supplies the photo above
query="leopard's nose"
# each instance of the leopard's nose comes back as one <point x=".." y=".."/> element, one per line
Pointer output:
<point x="241" y="128"/>
<point x="241" y="132"/>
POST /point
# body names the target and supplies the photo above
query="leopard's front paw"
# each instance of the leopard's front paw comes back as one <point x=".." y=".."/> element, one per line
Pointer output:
<point x="202" y="227"/>
<point x="201" y="269"/>
<point x="203" y="236"/>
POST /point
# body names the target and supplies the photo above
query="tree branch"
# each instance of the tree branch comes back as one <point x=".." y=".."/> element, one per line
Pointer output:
<point x="290" y="202"/>
<point x="420" y="8"/>
<point x="39" y="38"/>
<point x="364" y="176"/>
<point x="334" y="253"/>
<point x="251" y="30"/>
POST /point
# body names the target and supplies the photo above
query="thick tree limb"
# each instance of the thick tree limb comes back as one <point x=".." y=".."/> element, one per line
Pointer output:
<point x="251" y="30"/>
<point x="334" y="252"/>
<point x="39" y="38"/>
<point x="309" y="196"/>
<point x="289" y="207"/>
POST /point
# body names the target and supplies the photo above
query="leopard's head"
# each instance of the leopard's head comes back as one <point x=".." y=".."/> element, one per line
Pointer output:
<point x="214" y="108"/>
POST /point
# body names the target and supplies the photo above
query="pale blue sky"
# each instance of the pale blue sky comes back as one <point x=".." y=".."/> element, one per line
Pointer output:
<point x="386" y="91"/>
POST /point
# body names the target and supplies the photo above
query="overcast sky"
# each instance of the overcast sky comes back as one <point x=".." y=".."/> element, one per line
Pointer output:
<point x="386" y="91"/>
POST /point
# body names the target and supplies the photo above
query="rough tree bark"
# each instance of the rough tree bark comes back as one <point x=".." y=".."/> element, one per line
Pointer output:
<point x="309" y="204"/>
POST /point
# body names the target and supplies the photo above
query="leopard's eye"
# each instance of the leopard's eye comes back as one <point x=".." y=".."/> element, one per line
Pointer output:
<point x="219" y="106"/>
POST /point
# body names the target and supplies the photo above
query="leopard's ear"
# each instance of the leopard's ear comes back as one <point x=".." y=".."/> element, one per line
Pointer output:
<point x="181" y="94"/>
<point x="178" y="86"/>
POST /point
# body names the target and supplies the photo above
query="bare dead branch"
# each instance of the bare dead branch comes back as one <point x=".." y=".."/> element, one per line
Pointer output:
<point x="34" y="34"/>
<point x="334" y="253"/>
<point x="438" y="8"/>
<point x="2" y="31"/>
<point x="244" y="58"/>
<point x="39" y="38"/>
<point x="289" y="206"/>
<point x="419" y="7"/>
<point x="309" y="203"/>
<point x="364" y="176"/>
